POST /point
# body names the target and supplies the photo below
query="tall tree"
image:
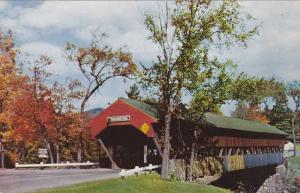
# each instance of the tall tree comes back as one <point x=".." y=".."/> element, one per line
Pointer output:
<point x="98" y="63"/>
<point x="280" y="114"/>
<point x="64" y="97"/>
<point x="294" y="93"/>
<point x="185" y="32"/>
<point x="207" y="97"/>
<point x="9" y="84"/>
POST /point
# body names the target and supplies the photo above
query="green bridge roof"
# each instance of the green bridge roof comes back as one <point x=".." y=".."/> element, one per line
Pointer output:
<point x="144" y="107"/>
<point x="241" y="124"/>
<point x="218" y="121"/>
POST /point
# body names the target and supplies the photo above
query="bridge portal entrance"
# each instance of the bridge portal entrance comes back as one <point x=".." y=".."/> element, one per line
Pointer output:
<point x="129" y="147"/>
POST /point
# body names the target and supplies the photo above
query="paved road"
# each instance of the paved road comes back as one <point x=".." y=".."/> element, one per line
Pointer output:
<point x="19" y="181"/>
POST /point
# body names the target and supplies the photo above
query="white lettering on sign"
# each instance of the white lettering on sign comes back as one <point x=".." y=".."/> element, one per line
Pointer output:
<point x="43" y="153"/>
<point x="118" y="118"/>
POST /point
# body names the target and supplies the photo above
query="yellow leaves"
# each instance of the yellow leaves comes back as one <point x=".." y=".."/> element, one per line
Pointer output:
<point x="235" y="162"/>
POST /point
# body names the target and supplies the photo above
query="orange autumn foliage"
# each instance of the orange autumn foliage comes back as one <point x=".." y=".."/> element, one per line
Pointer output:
<point x="31" y="117"/>
<point x="255" y="115"/>
<point x="252" y="113"/>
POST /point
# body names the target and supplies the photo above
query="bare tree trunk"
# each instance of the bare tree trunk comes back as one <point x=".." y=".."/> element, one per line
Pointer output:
<point x="57" y="153"/>
<point x="294" y="133"/>
<point x="80" y="148"/>
<point x="49" y="150"/>
<point x="157" y="146"/>
<point x="1" y="143"/>
<point x="57" y="146"/>
<point x="79" y="153"/>
<point x="2" y="154"/>
<point x="192" y="158"/>
<point x="192" y="163"/>
<point x="2" y="157"/>
<point x="80" y="137"/>
<point x="166" y="152"/>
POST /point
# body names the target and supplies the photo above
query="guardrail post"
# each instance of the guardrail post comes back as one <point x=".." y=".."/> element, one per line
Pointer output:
<point x="122" y="174"/>
<point x="136" y="172"/>
<point x="150" y="167"/>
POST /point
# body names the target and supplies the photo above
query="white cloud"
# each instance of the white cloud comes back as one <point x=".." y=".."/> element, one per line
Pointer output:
<point x="42" y="48"/>
<point x="275" y="51"/>
<point x="3" y="5"/>
<point x="100" y="101"/>
<point x="70" y="14"/>
<point x="123" y="21"/>
<point x="45" y="28"/>
<point x="59" y="66"/>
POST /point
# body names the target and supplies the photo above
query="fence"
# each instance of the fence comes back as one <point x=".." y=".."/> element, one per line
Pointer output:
<point x="43" y="165"/>
<point x="137" y="170"/>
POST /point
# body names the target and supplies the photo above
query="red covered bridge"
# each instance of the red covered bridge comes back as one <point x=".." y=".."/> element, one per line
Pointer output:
<point x="128" y="130"/>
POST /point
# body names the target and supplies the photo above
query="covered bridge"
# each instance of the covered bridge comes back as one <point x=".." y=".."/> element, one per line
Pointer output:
<point x="128" y="131"/>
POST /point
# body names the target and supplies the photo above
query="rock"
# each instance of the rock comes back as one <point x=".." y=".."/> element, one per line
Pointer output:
<point x="297" y="181"/>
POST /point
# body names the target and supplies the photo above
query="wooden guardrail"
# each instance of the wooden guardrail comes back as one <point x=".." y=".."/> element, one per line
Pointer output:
<point x="137" y="170"/>
<point x="43" y="165"/>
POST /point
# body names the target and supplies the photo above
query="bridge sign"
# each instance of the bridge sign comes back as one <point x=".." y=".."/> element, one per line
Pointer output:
<point x="118" y="118"/>
<point x="43" y="153"/>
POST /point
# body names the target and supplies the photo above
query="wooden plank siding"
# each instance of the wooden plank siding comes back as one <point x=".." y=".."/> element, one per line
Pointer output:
<point x="228" y="141"/>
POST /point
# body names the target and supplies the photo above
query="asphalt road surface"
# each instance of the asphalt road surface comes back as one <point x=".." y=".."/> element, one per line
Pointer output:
<point x="19" y="181"/>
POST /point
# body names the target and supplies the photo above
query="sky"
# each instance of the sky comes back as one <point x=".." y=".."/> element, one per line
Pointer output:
<point x="44" y="27"/>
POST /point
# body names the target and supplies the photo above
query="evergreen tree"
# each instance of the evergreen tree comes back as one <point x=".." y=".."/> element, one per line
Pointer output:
<point x="133" y="92"/>
<point x="280" y="114"/>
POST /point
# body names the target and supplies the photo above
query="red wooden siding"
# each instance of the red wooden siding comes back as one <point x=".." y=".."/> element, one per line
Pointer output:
<point x="225" y="141"/>
<point x="138" y="119"/>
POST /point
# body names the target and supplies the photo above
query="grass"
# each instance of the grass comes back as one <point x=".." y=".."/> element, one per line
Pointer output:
<point x="142" y="184"/>
<point x="294" y="164"/>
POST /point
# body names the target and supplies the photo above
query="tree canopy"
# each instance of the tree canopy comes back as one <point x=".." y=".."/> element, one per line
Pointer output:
<point x="186" y="32"/>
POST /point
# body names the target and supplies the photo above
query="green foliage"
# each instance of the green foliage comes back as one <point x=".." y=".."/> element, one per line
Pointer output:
<point x="210" y="94"/>
<point x="254" y="90"/>
<point x="293" y="90"/>
<point x="280" y="114"/>
<point x="141" y="184"/>
<point x="186" y="33"/>
<point x="133" y="92"/>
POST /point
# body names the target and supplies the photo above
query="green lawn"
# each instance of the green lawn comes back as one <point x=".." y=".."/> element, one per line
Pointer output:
<point x="142" y="184"/>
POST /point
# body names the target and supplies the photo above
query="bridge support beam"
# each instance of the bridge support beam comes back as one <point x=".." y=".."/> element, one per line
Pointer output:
<point x="113" y="163"/>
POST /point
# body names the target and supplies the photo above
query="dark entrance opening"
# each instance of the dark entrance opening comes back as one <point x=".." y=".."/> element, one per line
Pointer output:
<point x="128" y="146"/>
